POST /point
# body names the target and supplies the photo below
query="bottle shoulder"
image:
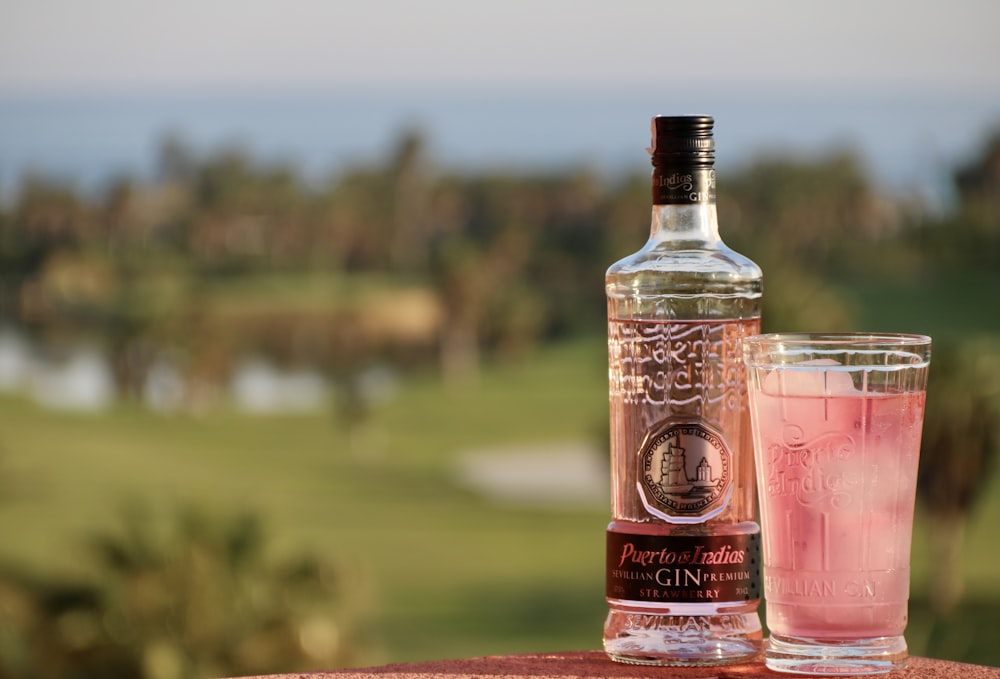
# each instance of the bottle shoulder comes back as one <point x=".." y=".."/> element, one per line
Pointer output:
<point x="689" y="255"/>
<point x="695" y="267"/>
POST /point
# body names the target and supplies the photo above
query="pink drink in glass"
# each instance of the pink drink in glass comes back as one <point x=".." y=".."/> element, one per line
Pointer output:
<point x="837" y="485"/>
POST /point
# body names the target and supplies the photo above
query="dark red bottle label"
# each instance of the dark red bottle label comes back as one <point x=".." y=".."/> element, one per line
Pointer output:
<point x="665" y="569"/>
<point x="683" y="186"/>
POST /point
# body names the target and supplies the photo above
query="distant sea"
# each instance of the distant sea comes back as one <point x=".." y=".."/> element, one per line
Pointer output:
<point x="908" y="140"/>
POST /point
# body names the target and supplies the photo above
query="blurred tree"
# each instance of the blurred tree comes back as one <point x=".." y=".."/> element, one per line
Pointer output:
<point x="812" y="213"/>
<point x="48" y="218"/>
<point x="51" y="213"/>
<point x="978" y="187"/>
<point x="796" y="298"/>
<point x="626" y="218"/>
<point x="198" y="599"/>
<point x="460" y="275"/>
<point x="487" y="264"/>
<point x="572" y="237"/>
<point x="244" y="217"/>
<point x="114" y="214"/>
<point x="978" y="181"/>
<point x="357" y="218"/>
<point x="966" y="237"/>
<point x="410" y="196"/>
<point x="176" y="162"/>
<point x="959" y="448"/>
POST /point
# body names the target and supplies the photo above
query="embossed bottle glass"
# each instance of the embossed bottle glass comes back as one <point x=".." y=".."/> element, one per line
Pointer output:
<point x="683" y="547"/>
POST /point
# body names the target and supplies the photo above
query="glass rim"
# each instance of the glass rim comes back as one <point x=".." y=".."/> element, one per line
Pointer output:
<point x="840" y="339"/>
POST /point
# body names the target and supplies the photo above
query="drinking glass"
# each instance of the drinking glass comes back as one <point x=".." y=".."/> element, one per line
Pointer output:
<point x="836" y="422"/>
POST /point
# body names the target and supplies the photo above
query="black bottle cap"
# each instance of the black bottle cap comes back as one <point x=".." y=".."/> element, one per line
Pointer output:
<point x="683" y="140"/>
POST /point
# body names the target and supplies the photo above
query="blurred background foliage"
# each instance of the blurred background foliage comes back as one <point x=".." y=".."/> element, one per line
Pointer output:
<point x="283" y="367"/>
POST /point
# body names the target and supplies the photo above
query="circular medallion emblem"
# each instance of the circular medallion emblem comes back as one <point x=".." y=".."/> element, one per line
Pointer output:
<point x="685" y="472"/>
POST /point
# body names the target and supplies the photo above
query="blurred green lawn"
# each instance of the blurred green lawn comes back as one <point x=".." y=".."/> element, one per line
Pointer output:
<point x="441" y="571"/>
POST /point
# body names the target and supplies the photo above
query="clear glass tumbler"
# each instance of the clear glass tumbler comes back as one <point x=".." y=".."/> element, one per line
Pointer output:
<point x="836" y="422"/>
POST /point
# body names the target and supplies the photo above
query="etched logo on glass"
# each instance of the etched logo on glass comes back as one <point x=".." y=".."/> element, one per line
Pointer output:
<point x="813" y="471"/>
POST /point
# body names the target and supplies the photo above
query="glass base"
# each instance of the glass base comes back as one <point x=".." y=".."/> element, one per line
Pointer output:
<point x="798" y="655"/>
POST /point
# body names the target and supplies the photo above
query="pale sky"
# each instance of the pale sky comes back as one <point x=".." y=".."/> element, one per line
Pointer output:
<point x="121" y="45"/>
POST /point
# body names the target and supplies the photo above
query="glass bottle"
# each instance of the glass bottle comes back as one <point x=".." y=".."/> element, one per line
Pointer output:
<point x="683" y="564"/>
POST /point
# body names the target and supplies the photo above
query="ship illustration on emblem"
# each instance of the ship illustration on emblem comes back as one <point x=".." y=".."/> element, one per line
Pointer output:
<point x="685" y="472"/>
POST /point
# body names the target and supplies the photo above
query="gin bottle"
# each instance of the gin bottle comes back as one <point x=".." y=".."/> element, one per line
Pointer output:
<point x="683" y="564"/>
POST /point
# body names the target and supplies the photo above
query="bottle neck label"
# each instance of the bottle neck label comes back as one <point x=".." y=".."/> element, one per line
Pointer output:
<point x="683" y="186"/>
